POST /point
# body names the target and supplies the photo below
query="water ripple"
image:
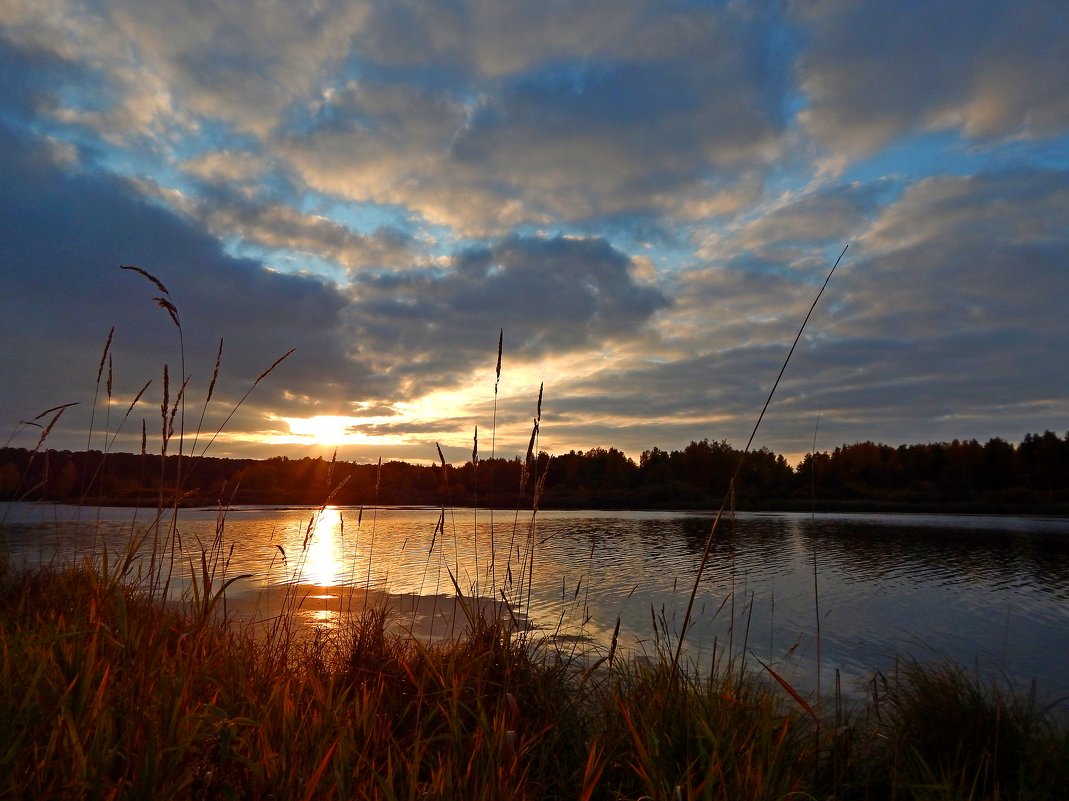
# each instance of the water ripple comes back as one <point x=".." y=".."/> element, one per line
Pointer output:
<point x="970" y="589"/>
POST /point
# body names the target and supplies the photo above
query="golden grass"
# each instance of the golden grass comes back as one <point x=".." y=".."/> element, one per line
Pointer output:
<point x="107" y="692"/>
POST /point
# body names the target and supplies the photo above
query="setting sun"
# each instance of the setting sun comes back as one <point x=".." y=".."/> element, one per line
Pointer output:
<point x="324" y="429"/>
<point x="329" y="430"/>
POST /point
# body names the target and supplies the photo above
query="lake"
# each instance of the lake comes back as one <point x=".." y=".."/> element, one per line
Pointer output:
<point x="988" y="593"/>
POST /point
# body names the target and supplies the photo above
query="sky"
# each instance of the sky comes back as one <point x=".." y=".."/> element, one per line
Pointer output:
<point x="644" y="196"/>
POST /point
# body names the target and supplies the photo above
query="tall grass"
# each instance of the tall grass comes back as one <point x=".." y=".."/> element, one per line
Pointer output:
<point x="105" y="692"/>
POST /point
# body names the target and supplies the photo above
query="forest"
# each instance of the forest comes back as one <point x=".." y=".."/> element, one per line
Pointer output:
<point x="1032" y="476"/>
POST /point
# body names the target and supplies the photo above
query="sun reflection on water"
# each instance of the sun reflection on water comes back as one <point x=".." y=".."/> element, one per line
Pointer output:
<point x="322" y="571"/>
<point x="323" y="558"/>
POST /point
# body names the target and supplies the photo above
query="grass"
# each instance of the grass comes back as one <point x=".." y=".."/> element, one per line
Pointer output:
<point x="106" y="692"/>
<point x="950" y="735"/>
<point x="111" y="689"/>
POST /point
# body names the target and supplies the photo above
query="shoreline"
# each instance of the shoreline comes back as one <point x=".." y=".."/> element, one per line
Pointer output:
<point x="827" y="506"/>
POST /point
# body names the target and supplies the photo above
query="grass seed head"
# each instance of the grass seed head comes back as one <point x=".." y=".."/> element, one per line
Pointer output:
<point x="148" y="275"/>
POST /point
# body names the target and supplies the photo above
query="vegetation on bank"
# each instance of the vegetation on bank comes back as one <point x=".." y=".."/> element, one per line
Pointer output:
<point x="955" y="476"/>
<point x="108" y="693"/>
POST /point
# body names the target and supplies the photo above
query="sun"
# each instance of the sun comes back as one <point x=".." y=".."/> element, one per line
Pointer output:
<point x="324" y="429"/>
<point x="328" y="431"/>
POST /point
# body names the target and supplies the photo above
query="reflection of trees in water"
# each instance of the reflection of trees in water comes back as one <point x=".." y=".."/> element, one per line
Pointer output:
<point x="38" y="543"/>
<point x="868" y="552"/>
<point x="755" y="543"/>
<point x="871" y="552"/>
<point x="759" y="531"/>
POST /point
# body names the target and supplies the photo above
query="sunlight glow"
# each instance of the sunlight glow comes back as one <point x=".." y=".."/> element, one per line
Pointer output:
<point x="446" y="416"/>
<point x="325" y="429"/>
<point x="330" y="430"/>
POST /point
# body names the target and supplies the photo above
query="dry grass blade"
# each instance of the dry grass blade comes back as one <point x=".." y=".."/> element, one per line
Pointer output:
<point x="704" y="561"/>
<point x="126" y="416"/>
<point x="244" y="397"/>
<point x="786" y="686"/>
<point x="270" y="369"/>
<point x="208" y="397"/>
<point x="171" y="309"/>
<point x="592" y="772"/>
<point x="313" y="782"/>
<point x="148" y="275"/>
<point x="59" y="408"/>
<point x="438" y="527"/>
<point x="215" y="372"/>
<point x="174" y="409"/>
<point x="104" y="355"/>
<point x="165" y="404"/>
<point x="51" y="424"/>
<point x="540" y="487"/>
<point x="500" y="344"/>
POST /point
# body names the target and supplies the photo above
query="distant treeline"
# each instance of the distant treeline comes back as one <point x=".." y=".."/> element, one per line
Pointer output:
<point x="958" y="475"/>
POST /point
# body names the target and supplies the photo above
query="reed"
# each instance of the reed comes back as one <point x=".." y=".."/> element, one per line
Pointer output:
<point x="107" y="692"/>
<point x="957" y="736"/>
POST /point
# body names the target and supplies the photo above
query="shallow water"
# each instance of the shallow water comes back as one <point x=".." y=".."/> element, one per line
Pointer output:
<point x="989" y="593"/>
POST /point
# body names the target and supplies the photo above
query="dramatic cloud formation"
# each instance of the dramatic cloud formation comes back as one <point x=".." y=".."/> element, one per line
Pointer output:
<point x="645" y="196"/>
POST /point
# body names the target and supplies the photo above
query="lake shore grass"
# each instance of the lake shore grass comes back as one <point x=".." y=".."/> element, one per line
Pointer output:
<point x="107" y="692"/>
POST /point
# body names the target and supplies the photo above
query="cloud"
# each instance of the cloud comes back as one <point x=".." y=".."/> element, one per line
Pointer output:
<point x="492" y="40"/>
<point x="965" y="253"/>
<point x="989" y="70"/>
<point x="948" y="307"/>
<point x="1017" y="207"/>
<point x="393" y="337"/>
<point x="66" y="236"/>
<point x="279" y="227"/>
<point x="477" y="116"/>
<point x="831" y="214"/>
<point x="385" y="144"/>
<point x="939" y="324"/>
<point x="650" y="116"/>
<point x="169" y="65"/>
<point x="229" y="198"/>
<point x="552" y="296"/>
<point x="219" y="167"/>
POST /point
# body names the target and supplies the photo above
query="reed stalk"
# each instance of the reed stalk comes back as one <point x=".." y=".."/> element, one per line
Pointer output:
<point x="704" y="561"/>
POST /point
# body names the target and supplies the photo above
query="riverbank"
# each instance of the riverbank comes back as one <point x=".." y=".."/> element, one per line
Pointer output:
<point x="108" y="692"/>
<point x="955" y="477"/>
<point x="824" y="505"/>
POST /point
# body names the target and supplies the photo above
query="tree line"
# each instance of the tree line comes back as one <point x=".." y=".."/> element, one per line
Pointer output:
<point x="958" y="475"/>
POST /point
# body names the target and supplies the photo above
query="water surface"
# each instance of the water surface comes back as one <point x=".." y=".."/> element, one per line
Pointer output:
<point x="989" y="593"/>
